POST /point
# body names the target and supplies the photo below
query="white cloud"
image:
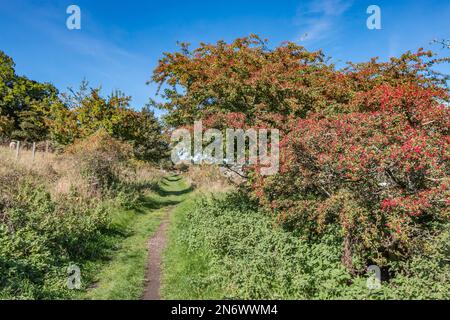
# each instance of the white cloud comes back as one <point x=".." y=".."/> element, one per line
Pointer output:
<point x="91" y="40"/>
<point x="320" y="19"/>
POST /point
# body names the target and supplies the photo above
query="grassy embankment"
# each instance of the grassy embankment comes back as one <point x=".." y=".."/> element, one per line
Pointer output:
<point x="93" y="207"/>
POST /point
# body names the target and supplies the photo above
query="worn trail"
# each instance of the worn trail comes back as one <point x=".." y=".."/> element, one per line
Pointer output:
<point x="156" y="247"/>
<point x="175" y="191"/>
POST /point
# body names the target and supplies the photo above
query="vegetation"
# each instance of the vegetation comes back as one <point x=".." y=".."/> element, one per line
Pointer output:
<point x="364" y="150"/>
<point x="364" y="179"/>
<point x="32" y="111"/>
<point x="59" y="212"/>
<point x="83" y="206"/>
<point x="24" y="104"/>
<point x="227" y="249"/>
<point x="248" y="80"/>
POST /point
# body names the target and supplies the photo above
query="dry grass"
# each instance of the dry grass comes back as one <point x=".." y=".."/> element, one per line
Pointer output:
<point x="40" y="162"/>
<point x="60" y="173"/>
<point x="141" y="172"/>
<point x="57" y="172"/>
<point x="208" y="179"/>
<point x="14" y="171"/>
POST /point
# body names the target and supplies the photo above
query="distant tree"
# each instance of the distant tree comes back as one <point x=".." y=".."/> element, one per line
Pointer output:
<point x="87" y="112"/>
<point x="149" y="142"/>
<point x="6" y="127"/>
<point x="24" y="104"/>
<point x="34" y="111"/>
<point x="62" y="123"/>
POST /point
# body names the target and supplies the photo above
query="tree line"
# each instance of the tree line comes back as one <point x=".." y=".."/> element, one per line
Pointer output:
<point x="35" y="111"/>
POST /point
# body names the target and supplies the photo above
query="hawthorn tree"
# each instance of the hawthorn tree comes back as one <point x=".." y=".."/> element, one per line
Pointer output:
<point x="248" y="77"/>
<point x="365" y="148"/>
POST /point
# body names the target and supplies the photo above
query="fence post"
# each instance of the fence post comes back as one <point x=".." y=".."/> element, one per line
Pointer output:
<point x="17" y="150"/>
<point x="34" y="151"/>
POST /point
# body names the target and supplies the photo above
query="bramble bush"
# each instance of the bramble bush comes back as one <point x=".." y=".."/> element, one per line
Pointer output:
<point x="40" y="238"/>
<point x="40" y="235"/>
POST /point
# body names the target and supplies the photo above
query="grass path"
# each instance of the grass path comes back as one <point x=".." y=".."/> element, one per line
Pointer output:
<point x="124" y="276"/>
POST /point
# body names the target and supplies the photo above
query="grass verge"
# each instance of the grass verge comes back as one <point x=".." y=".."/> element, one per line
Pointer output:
<point x="227" y="249"/>
<point x="122" y="278"/>
<point x="186" y="272"/>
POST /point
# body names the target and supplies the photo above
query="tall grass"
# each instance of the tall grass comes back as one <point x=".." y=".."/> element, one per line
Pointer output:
<point x="208" y="179"/>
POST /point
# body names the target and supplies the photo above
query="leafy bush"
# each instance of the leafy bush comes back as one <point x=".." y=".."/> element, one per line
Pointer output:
<point x="40" y="237"/>
<point x="247" y="256"/>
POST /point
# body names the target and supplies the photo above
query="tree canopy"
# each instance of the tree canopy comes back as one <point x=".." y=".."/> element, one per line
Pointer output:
<point x="246" y="76"/>
<point x="24" y="104"/>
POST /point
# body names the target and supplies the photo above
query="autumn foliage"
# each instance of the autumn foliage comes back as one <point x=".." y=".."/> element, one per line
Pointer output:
<point x="382" y="176"/>
<point x="365" y="149"/>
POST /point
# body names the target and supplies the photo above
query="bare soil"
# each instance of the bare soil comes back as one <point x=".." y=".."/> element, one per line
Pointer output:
<point x="156" y="246"/>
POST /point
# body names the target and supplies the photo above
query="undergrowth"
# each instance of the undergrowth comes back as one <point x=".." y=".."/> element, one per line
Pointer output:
<point x="226" y="248"/>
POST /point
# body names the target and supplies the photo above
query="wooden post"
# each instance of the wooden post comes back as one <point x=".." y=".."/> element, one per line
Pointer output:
<point x="17" y="150"/>
<point x="34" y="151"/>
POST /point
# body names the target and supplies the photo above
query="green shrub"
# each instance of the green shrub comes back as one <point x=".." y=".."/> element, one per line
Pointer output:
<point x="248" y="256"/>
<point x="40" y="237"/>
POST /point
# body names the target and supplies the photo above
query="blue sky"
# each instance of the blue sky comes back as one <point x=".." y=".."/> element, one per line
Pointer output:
<point x="120" y="42"/>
